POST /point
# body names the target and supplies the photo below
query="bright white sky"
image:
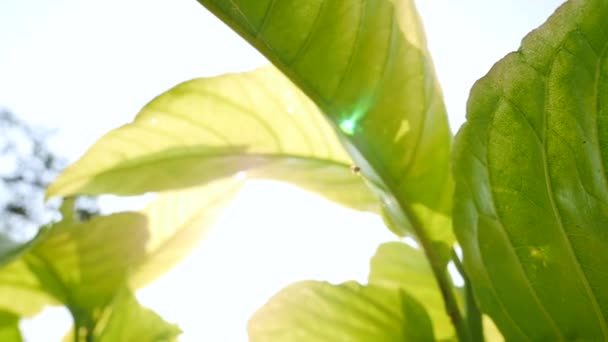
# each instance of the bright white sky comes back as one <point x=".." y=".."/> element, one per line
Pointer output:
<point x="85" y="67"/>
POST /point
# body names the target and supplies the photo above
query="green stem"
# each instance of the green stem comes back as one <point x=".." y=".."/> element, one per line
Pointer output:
<point x="439" y="268"/>
<point x="82" y="330"/>
<point x="473" y="315"/>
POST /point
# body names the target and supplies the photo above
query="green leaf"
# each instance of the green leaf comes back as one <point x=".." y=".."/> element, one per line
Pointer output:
<point x="22" y="291"/>
<point x="318" y="311"/>
<point x="178" y="221"/>
<point x="210" y="128"/>
<point x="366" y="65"/>
<point x="531" y="183"/>
<point x="83" y="264"/>
<point x="399" y="266"/>
<point x="9" y="327"/>
<point x="129" y="321"/>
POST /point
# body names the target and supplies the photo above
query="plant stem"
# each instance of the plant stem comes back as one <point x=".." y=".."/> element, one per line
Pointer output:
<point x="473" y="315"/>
<point x="82" y="330"/>
<point x="439" y="268"/>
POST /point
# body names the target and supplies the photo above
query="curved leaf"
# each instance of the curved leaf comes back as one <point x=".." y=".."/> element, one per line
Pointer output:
<point x="532" y="191"/>
<point x="83" y="264"/>
<point x="177" y="221"/>
<point x="212" y="128"/>
<point x="399" y="266"/>
<point x="318" y="311"/>
<point x="366" y="65"/>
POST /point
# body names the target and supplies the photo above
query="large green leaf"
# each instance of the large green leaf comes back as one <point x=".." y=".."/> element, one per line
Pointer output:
<point x="318" y="311"/>
<point x="9" y="327"/>
<point x="177" y="222"/>
<point x="366" y="65"/>
<point x="399" y="266"/>
<point x="532" y="191"/>
<point x="211" y="128"/>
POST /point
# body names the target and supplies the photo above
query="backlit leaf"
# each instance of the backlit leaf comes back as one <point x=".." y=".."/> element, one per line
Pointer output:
<point x="82" y="265"/>
<point x="22" y="291"/>
<point x="366" y="65"/>
<point x="399" y="266"/>
<point x="532" y="191"/>
<point x="318" y="311"/>
<point x="206" y="129"/>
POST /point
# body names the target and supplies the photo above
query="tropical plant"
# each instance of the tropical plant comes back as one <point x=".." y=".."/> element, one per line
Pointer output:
<point x="351" y="109"/>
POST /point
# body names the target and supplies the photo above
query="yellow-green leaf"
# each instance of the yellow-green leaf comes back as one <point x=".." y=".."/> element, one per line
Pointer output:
<point x="210" y="128"/>
<point x="399" y="266"/>
<point x="318" y="311"/>
<point x="22" y="291"/>
<point x="366" y="65"/>
<point x="83" y="264"/>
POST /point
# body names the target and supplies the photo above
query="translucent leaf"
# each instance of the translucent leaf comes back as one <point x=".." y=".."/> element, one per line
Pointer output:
<point x="22" y="291"/>
<point x="532" y="191"/>
<point x="366" y="65"/>
<point x="318" y="311"/>
<point x="206" y="129"/>
<point x="83" y="264"/>
<point x="399" y="266"/>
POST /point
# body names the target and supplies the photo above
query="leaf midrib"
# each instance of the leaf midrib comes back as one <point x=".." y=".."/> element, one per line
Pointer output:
<point x="270" y="158"/>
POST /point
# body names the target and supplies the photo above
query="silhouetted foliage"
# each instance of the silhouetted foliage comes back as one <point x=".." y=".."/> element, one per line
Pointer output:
<point x="27" y="166"/>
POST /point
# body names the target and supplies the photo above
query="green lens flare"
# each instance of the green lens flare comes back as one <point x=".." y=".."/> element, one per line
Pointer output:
<point x="350" y="121"/>
<point x="348" y="126"/>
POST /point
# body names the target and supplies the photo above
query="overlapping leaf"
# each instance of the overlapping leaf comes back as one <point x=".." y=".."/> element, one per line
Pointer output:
<point x="399" y="266"/>
<point x="97" y="258"/>
<point x="318" y="311"/>
<point x="532" y="190"/>
<point x="207" y="129"/>
<point x="80" y="265"/>
<point x="83" y="264"/>
<point x="365" y="63"/>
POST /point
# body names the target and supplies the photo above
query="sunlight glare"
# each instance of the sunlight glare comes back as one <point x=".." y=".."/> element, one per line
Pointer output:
<point x="273" y="234"/>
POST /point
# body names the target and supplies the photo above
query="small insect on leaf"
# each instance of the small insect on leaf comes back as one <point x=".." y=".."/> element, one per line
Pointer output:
<point x="355" y="169"/>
